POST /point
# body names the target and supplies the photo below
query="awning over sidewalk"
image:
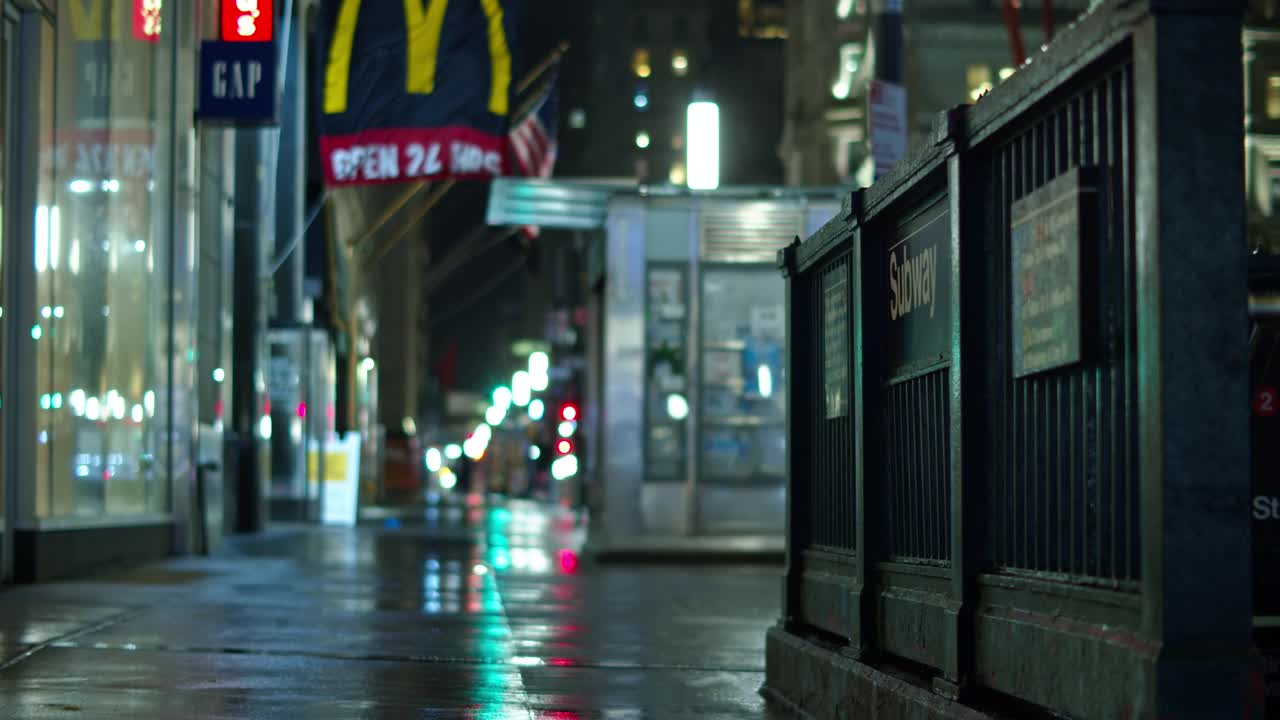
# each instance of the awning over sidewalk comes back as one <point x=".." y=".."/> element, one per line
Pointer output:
<point x="552" y="204"/>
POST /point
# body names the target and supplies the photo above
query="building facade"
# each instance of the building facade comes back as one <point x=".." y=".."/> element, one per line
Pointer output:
<point x="647" y="61"/>
<point x="100" y="282"/>
<point x="146" y="258"/>
<point x="953" y="52"/>
<point x="1262" y="125"/>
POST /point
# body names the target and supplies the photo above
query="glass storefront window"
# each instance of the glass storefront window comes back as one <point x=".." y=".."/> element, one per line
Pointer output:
<point x="5" y="67"/>
<point x="743" y="404"/>
<point x="666" y="404"/>
<point x="101" y="264"/>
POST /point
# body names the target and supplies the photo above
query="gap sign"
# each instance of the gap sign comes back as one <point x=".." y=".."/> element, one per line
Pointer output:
<point x="238" y="82"/>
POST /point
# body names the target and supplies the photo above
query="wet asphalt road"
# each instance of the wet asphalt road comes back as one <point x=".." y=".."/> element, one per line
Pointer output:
<point x="475" y="611"/>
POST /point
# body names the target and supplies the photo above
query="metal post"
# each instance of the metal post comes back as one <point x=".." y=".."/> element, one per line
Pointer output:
<point x="1013" y="24"/>
<point x="889" y="42"/>
<point x="1191" y="287"/>
<point x="22" y="505"/>
<point x="693" y="371"/>
<point x="792" y="573"/>
<point x="887" y="124"/>
<point x="867" y="368"/>
<point x="948" y="130"/>
<point x="251" y="236"/>
<point x="308" y="507"/>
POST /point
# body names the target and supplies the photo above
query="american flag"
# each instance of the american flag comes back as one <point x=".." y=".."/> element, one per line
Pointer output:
<point x="533" y="140"/>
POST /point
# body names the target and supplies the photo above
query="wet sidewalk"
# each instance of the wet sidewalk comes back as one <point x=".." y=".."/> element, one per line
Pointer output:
<point x="475" y="611"/>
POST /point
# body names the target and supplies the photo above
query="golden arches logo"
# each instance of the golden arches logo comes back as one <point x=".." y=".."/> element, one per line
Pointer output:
<point x="424" y="25"/>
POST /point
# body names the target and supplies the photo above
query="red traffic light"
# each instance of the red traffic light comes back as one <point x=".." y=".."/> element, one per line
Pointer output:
<point x="569" y="412"/>
<point x="564" y="447"/>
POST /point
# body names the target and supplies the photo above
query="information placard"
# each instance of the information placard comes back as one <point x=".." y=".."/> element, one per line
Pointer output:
<point x="1045" y="278"/>
<point x="835" y="342"/>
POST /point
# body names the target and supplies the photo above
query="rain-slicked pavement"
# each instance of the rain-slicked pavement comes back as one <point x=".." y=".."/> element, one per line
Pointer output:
<point x="475" y="611"/>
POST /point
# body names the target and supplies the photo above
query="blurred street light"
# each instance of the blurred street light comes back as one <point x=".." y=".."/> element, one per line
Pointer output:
<point x="502" y="398"/>
<point x="521" y="390"/>
<point x="539" y="366"/>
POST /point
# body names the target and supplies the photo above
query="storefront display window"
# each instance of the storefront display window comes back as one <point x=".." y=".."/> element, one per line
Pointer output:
<point x="5" y="69"/>
<point x="102" y="265"/>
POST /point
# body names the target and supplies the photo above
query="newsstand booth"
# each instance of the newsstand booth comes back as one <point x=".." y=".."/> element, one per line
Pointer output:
<point x="685" y="411"/>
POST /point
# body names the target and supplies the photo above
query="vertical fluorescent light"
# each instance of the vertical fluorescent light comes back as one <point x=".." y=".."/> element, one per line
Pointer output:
<point x="42" y="238"/>
<point x="764" y="379"/>
<point x="55" y="236"/>
<point x="704" y="146"/>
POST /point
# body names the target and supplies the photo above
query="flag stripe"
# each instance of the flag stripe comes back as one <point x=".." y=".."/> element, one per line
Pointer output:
<point x="533" y="143"/>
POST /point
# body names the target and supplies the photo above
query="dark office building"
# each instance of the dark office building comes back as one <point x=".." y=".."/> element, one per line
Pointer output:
<point x="636" y="66"/>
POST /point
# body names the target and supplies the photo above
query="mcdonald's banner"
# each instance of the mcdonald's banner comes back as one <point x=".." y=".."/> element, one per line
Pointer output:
<point x="417" y="89"/>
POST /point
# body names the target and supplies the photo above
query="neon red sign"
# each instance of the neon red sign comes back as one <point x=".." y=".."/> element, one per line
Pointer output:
<point x="246" y="20"/>
<point x="1266" y="402"/>
<point x="146" y="20"/>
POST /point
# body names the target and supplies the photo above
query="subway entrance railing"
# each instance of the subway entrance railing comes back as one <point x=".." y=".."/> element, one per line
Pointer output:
<point x="1264" y="404"/>
<point x="1018" y="434"/>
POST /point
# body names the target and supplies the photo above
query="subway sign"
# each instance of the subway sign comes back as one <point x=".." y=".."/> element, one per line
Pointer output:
<point x="918" y="281"/>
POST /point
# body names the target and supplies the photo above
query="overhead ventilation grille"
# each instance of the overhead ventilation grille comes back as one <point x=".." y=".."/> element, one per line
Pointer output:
<point x="751" y="233"/>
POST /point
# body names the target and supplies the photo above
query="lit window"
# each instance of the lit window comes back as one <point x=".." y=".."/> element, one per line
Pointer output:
<point x="677" y="141"/>
<point x="680" y="63"/>
<point x="677" y="175"/>
<point x="640" y="63"/>
<point x="979" y="81"/>
<point x="577" y="118"/>
<point x="850" y="61"/>
<point x="642" y="139"/>
<point x="1273" y="97"/>
<point x="1006" y="73"/>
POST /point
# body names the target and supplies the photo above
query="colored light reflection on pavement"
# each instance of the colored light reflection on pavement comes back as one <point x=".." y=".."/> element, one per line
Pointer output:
<point x="568" y="561"/>
<point x="471" y="607"/>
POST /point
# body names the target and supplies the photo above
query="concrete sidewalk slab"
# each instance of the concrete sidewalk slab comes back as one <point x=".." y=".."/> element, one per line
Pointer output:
<point x="479" y="611"/>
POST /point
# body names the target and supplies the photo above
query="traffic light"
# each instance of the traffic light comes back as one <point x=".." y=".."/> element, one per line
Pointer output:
<point x="564" y="446"/>
<point x="569" y="412"/>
